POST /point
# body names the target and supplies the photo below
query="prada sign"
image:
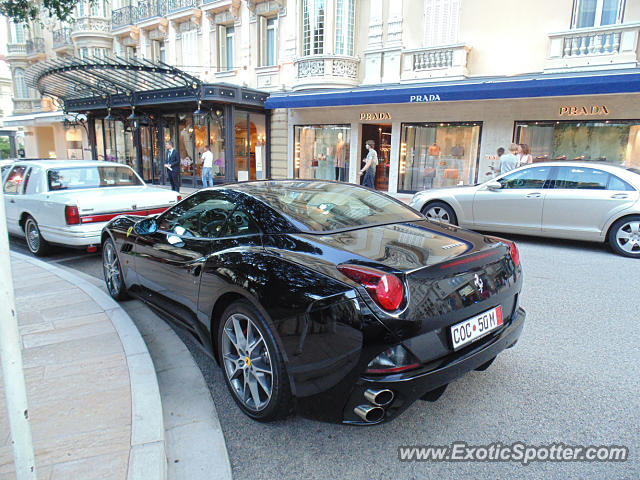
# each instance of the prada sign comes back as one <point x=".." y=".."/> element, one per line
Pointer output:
<point x="583" y="110"/>
<point x="375" y="116"/>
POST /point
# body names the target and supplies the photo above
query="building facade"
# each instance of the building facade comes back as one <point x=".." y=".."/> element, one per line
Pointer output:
<point x="413" y="51"/>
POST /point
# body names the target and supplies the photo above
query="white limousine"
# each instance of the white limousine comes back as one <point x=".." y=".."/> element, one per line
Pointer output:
<point x="68" y="202"/>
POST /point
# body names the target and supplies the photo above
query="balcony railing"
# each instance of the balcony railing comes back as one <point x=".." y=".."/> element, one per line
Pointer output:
<point x="35" y="45"/>
<point x="150" y="9"/>
<point x="62" y="38"/>
<point x="124" y="16"/>
<point x="587" y="48"/>
<point x="16" y="49"/>
<point x="175" y="5"/>
<point x="435" y="62"/>
<point x="92" y="24"/>
<point x="334" y="70"/>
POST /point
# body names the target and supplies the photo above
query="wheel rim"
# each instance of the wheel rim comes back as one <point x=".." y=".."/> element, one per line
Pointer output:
<point x="439" y="214"/>
<point x="247" y="363"/>
<point x="33" y="236"/>
<point x="628" y="237"/>
<point x="111" y="269"/>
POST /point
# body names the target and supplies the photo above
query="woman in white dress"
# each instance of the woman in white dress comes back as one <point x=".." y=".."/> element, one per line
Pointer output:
<point x="524" y="155"/>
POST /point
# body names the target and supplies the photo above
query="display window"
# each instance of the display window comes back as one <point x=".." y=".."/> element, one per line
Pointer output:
<point x="434" y="155"/>
<point x="322" y="152"/>
<point x="610" y="141"/>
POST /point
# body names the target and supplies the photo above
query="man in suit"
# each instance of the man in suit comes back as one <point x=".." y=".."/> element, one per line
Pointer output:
<point x="173" y="166"/>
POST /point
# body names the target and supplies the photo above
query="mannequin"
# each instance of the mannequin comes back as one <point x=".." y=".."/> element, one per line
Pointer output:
<point x="340" y="158"/>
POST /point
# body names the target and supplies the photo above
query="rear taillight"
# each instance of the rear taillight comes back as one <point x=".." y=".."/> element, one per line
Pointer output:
<point x="71" y="215"/>
<point x="384" y="288"/>
<point x="513" y="249"/>
<point x="393" y="360"/>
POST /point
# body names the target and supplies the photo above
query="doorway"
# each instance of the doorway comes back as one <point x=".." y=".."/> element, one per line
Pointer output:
<point x="381" y="135"/>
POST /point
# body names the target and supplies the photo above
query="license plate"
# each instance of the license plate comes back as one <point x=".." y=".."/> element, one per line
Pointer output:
<point x="476" y="327"/>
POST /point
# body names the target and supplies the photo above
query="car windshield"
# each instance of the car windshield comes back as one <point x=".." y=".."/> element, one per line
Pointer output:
<point x="91" y="177"/>
<point x="326" y="207"/>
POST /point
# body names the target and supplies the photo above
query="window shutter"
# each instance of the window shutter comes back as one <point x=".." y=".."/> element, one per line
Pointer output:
<point x="262" y="40"/>
<point x="222" y="47"/>
<point x="441" y="18"/>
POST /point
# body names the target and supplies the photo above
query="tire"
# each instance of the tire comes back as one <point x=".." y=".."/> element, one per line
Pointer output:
<point x="113" y="271"/>
<point x="440" y="212"/>
<point x="255" y="375"/>
<point x="624" y="236"/>
<point x="35" y="241"/>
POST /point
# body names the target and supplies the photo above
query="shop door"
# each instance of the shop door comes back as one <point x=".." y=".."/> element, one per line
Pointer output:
<point x="157" y="151"/>
<point x="146" y="153"/>
<point x="381" y="135"/>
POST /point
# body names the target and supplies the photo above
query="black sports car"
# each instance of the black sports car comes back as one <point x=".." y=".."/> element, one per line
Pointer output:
<point x="328" y="298"/>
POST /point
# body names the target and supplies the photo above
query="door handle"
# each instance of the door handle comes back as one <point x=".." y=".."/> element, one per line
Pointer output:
<point x="619" y="195"/>
<point x="534" y="195"/>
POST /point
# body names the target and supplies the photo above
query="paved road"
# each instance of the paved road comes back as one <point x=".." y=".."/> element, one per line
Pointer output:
<point x="572" y="378"/>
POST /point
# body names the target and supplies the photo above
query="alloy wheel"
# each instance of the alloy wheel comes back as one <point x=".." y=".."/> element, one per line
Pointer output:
<point x="247" y="362"/>
<point x="438" y="214"/>
<point x="32" y="235"/>
<point x="628" y="237"/>
<point x="111" y="265"/>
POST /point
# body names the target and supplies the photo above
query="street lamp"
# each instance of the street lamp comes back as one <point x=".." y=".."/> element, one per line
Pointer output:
<point x="133" y="118"/>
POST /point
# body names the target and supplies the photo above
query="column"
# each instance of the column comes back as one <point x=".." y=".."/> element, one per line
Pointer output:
<point x="171" y="44"/>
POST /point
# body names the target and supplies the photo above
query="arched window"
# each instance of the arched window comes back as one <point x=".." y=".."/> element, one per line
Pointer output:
<point x="21" y="85"/>
<point x="313" y="27"/>
<point x="345" y="13"/>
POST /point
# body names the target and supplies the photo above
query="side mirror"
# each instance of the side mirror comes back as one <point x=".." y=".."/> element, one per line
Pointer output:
<point x="146" y="226"/>
<point x="494" y="185"/>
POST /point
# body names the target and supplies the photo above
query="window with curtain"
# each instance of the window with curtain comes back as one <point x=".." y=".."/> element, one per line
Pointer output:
<point x="345" y="13"/>
<point x="595" y="13"/>
<point x="313" y="27"/>
<point x="441" y="22"/>
<point x="21" y="85"/>
<point x="267" y="40"/>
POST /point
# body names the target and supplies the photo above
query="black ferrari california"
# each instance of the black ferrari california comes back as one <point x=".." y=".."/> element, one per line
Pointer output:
<point x="326" y="298"/>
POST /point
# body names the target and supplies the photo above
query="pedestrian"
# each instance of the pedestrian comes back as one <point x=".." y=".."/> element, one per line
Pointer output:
<point x="371" y="162"/>
<point x="207" y="167"/>
<point x="173" y="166"/>
<point x="493" y="170"/>
<point x="509" y="161"/>
<point x="524" y="154"/>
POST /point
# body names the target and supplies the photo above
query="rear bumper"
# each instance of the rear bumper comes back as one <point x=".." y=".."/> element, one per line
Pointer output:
<point x="411" y="386"/>
<point x="74" y="236"/>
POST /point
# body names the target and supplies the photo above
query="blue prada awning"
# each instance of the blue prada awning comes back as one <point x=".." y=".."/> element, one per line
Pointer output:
<point x="486" y="88"/>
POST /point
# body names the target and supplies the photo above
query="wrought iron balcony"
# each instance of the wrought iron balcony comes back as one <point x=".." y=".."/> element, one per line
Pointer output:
<point x="175" y="5"/>
<point x="35" y="45"/>
<point x="151" y="8"/>
<point x="124" y="16"/>
<point x="62" y="38"/>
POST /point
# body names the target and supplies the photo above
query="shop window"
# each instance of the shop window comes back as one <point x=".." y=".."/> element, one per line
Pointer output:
<point x="434" y="155"/>
<point x="616" y="142"/>
<point x="313" y="27"/>
<point x="345" y="13"/>
<point x="322" y="152"/>
<point x="186" y="144"/>
<point x="216" y="143"/>
<point x="441" y="19"/>
<point x="595" y="13"/>
<point x="267" y="41"/>
<point x="99" y="140"/>
<point x="73" y="137"/>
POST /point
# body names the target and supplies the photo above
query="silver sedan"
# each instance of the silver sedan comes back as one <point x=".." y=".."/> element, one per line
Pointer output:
<point x="573" y="200"/>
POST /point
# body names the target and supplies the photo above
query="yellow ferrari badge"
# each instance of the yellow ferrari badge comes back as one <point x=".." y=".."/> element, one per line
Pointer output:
<point x="129" y="231"/>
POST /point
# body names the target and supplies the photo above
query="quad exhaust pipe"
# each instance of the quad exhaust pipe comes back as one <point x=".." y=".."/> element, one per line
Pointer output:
<point x="379" y="398"/>
<point x="369" y="413"/>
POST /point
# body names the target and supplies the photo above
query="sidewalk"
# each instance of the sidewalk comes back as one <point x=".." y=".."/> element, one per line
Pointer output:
<point x="94" y="403"/>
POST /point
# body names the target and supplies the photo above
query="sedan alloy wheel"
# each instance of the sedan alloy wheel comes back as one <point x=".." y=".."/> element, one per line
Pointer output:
<point x="625" y="236"/>
<point x="440" y="212"/>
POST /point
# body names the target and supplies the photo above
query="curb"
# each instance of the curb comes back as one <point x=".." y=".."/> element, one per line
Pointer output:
<point x="147" y="457"/>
